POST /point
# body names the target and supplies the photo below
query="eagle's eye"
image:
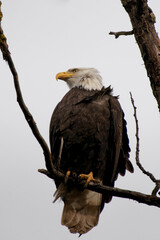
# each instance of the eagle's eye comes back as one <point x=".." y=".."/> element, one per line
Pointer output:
<point x="75" y="70"/>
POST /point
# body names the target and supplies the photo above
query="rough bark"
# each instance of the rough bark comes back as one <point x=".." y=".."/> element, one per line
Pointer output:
<point x="143" y="19"/>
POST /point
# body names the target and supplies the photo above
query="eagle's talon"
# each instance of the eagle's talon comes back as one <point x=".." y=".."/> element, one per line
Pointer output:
<point x="89" y="177"/>
<point x="68" y="173"/>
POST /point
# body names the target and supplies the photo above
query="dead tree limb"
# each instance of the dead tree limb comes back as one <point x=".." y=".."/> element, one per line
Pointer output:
<point x="28" y="116"/>
<point x="149" y="174"/>
<point x="150" y="200"/>
<point x="142" y="19"/>
<point x="122" y="33"/>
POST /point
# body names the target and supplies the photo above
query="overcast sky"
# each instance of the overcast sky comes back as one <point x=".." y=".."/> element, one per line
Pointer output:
<point x="46" y="37"/>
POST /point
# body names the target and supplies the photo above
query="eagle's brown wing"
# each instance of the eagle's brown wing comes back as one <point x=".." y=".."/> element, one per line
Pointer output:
<point x="88" y="134"/>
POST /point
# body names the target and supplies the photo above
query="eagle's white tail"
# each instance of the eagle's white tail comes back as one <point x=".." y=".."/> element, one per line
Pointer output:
<point x="81" y="209"/>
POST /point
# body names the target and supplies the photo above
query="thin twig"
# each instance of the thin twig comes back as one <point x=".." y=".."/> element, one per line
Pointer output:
<point x="150" y="175"/>
<point x="137" y="145"/>
<point x="121" y="33"/>
<point x="156" y="189"/>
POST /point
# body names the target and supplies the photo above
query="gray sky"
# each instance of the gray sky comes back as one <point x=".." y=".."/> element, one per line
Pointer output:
<point x="46" y="37"/>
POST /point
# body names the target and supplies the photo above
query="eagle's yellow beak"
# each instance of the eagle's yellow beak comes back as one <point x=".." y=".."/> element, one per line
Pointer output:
<point x="64" y="75"/>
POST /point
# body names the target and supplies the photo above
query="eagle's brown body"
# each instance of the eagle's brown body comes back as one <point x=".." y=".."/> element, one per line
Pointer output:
<point x="88" y="133"/>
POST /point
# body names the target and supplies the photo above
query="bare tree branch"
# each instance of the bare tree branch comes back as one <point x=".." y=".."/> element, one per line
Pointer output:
<point x="142" y="20"/>
<point x="150" y="175"/>
<point x="137" y="146"/>
<point x="122" y="33"/>
<point x="156" y="189"/>
<point x="28" y="116"/>
<point x="151" y="200"/>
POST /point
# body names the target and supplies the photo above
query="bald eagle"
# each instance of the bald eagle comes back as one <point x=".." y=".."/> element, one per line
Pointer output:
<point x="88" y="137"/>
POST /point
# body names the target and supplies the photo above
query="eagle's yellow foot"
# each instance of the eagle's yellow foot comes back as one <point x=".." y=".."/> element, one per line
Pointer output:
<point x="89" y="177"/>
<point x="68" y="173"/>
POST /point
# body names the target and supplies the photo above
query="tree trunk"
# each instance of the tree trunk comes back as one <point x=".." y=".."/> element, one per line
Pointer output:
<point x="143" y="19"/>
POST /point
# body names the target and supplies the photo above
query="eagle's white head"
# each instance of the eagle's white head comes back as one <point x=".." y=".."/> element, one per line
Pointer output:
<point x="87" y="78"/>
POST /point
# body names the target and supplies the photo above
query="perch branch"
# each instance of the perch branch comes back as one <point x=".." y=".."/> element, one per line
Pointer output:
<point x="51" y="172"/>
<point x="150" y="200"/>
<point x="122" y="33"/>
